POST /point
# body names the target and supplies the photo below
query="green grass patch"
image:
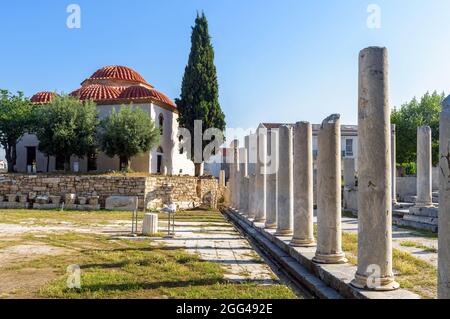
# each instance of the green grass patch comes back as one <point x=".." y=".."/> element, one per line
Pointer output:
<point x="413" y="244"/>
<point x="411" y="272"/>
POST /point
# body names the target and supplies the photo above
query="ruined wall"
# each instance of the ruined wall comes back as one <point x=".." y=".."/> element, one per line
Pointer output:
<point x="152" y="191"/>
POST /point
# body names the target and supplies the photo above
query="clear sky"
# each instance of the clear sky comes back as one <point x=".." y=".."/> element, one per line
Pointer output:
<point x="277" y="61"/>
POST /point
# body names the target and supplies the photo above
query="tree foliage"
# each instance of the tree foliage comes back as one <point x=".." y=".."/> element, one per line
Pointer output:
<point x="66" y="126"/>
<point x="411" y="115"/>
<point x="199" y="98"/>
<point x="15" y="121"/>
<point x="127" y="133"/>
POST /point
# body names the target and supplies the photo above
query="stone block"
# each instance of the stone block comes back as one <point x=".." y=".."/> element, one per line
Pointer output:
<point x="42" y="199"/>
<point x="121" y="203"/>
<point x="69" y="199"/>
<point x="424" y="211"/>
<point x="12" y="198"/>
<point x="150" y="225"/>
<point x="82" y="200"/>
<point x="55" y="199"/>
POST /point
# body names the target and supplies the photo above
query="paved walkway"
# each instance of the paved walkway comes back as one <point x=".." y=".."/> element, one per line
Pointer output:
<point x="221" y="243"/>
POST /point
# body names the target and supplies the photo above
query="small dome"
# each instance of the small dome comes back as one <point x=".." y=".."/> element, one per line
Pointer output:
<point x="140" y="92"/>
<point x="96" y="92"/>
<point x="117" y="72"/>
<point x="43" y="97"/>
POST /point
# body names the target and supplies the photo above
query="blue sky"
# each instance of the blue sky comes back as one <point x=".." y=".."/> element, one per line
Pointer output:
<point x="286" y="60"/>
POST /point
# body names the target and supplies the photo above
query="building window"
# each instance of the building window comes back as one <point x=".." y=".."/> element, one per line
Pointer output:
<point x="349" y="147"/>
<point x="180" y="140"/>
<point x="159" y="159"/>
<point x="161" y="123"/>
<point x="92" y="162"/>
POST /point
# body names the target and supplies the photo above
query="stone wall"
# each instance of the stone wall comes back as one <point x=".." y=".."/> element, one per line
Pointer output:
<point x="152" y="191"/>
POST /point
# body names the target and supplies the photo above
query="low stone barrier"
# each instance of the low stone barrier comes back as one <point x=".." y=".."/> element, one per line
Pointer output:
<point x="91" y="191"/>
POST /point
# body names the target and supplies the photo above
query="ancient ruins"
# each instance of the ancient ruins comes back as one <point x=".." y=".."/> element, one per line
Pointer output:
<point x="280" y="204"/>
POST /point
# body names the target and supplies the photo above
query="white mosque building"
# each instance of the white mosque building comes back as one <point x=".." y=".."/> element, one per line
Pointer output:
<point x="111" y="87"/>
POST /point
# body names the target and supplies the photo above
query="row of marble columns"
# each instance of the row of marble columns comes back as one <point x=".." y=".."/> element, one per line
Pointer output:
<point x="283" y="199"/>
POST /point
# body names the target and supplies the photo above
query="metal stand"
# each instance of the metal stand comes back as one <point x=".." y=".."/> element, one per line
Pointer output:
<point x="134" y="221"/>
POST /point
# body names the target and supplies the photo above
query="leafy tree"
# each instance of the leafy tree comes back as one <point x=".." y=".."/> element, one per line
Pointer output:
<point x="66" y="126"/>
<point x="199" y="98"/>
<point x="127" y="133"/>
<point x="15" y="121"/>
<point x="411" y="115"/>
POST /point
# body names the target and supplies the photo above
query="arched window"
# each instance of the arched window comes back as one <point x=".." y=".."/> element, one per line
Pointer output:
<point x="161" y="122"/>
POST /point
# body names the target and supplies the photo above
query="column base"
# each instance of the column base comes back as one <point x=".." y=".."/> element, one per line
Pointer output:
<point x="284" y="232"/>
<point x="330" y="258"/>
<point x="303" y="243"/>
<point x="271" y="225"/>
<point x="424" y="205"/>
<point x="385" y="284"/>
<point x="259" y="220"/>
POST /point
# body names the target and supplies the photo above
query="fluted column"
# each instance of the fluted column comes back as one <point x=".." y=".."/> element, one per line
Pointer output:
<point x="303" y="187"/>
<point x="285" y="182"/>
<point x="329" y="228"/>
<point x="374" y="174"/>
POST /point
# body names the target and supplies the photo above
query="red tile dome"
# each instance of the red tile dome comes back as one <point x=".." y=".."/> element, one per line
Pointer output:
<point x="96" y="92"/>
<point x="43" y="97"/>
<point x="140" y="92"/>
<point x="116" y="72"/>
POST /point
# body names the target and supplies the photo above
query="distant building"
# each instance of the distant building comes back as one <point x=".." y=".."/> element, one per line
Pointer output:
<point x="111" y="87"/>
<point x="349" y="138"/>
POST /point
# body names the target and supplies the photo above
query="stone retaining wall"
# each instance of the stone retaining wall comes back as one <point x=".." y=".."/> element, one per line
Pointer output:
<point x="152" y="191"/>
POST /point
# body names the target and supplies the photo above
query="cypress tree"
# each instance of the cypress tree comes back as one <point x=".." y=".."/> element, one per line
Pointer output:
<point x="199" y="98"/>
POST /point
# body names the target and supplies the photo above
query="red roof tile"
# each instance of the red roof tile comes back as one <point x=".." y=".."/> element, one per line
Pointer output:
<point x="116" y="72"/>
<point x="42" y="97"/>
<point x="97" y="92"/>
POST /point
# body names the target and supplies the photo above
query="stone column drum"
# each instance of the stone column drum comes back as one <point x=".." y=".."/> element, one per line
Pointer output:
<point x="394" y="164"/>
<point x="329" y="233"/>
<point x="374" y="174"/>
<point x="285" y="182"/>
<point x="261" y="177"/>
<point x="243" y="198"/>
<point x="444" y="202"/>
<point x="271" y="181"/>
<point x="303" y="186"/>
<point x="424" y="164"/>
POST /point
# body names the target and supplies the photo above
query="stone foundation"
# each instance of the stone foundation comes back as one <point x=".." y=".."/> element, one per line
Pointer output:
<point x="152" y="191"/>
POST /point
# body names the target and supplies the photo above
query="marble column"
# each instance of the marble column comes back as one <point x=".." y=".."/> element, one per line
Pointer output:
<point x="251" y="196"/>
<point x="285" y="182"/>
<point x="444" y="202"/>
<point x="261" y="177"/>
<point x="271" y="181"/>
<point x="349" y="173"/>
<point x="374" y="174"/>
<point x="394" y="164"/>
<point x="329" y="228"/>
<point x="303" y="187"/>
<point x="243" y="198"/>
<point x="424" y="164"/>
<point x="236" y="175"/>
<point x="222" y="178"/>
